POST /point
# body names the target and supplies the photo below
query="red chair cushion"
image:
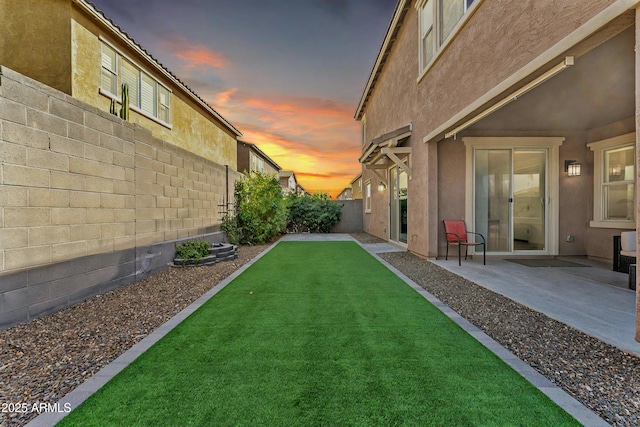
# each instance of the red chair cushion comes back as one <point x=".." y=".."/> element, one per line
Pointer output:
<point x="455" y="226"/>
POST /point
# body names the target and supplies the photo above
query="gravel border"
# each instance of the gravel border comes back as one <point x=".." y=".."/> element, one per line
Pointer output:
<point x="43" y="360"/>
<point x="600" y="376"/>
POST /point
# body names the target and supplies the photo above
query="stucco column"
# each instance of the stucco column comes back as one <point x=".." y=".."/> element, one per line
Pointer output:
<point x="637" y="71"/>
<point x="432" y="198"/>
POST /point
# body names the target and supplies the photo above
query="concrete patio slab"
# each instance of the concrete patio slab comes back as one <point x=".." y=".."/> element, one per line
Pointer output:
<point x="590" y="299"/>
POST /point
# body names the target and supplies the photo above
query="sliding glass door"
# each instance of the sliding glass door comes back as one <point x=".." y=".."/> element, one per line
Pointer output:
<point x="510" y="199"/>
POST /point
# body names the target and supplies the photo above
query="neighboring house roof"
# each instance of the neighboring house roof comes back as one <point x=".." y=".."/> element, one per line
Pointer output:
<point x="394" y="26"/>
<point x="345" y="193"/>
<point x="284" y="177"/>
<point x="286" y="174"/>
<point x="359" y="176"/>
<point x="91" y="9"/>
<point x="261" y="153"/>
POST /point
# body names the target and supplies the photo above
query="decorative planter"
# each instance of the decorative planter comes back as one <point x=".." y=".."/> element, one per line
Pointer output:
<point x="217" y="252"/>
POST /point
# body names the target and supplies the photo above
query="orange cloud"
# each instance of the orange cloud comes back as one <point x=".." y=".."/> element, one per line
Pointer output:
<point x="194" y="55"/>
<point x="223" y="97"/>
<point x="316" y="138"/>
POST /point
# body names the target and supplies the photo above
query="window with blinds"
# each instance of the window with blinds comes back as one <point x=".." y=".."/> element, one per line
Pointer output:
<point x="109" y="77"/>
<point x="146" y="94"/>
<point x="131" y="76"/>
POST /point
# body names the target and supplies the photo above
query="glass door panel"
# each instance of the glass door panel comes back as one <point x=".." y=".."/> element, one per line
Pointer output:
<point x="529" y="200"/>
<point x="492" y="198"/>
<point x="393" y="204"/>
<point x="398" y="186"/>
<point x="403" y="186"/>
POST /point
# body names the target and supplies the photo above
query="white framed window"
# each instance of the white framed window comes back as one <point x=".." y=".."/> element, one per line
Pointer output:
<point x="131" y="76"/>
<point x="146" y="94"/>
<point x="109" y="70"/>
<point x="256" y="163"/>
<point x="427" y="47"/>
<point x="614" y="186"/>
<point x="438" y="21"/>
<point x="164" y="104"/>
<point x="367" y="197"/>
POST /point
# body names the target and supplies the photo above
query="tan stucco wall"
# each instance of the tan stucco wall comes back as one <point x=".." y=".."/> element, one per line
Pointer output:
<point x="386" y="113"/>
<point x="36" y="39"/>
<point x="498" y="40"/>
<point x="191" y="128"/>
<point x="482" y="56"/>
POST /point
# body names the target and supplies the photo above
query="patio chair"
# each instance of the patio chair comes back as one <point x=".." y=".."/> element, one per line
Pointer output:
<point x="456" y="232"/>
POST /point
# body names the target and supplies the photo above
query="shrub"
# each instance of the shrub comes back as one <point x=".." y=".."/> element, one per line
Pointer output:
<point x="312" y="213"/>
<point x="260" y="210"/>
<point x="192" y="250"/>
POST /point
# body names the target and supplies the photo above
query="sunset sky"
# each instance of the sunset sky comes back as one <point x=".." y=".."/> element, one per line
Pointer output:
<point x="287" y="74"/>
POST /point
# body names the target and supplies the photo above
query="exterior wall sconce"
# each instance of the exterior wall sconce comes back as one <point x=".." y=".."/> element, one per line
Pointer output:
<point x="572" y="168"/>
<point x="381" y="187"/>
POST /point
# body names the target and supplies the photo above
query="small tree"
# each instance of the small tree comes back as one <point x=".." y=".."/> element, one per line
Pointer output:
<point x="312" y="213"/>
<point x="260" y="210"/>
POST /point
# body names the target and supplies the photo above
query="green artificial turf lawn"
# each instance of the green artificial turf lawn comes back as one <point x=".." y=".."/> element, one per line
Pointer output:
<point x="318" y="333"/>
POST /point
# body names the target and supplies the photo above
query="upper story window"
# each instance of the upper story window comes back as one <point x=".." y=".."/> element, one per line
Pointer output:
<point x="437" y="21"/>
<point x="257" y="164"/>
<point x="427" y="47"/>
<point x="614" y="182"/>
<point x="146" y="94"/>
<point x="109" y="81"/>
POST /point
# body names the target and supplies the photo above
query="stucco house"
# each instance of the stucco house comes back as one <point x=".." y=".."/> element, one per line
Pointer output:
<point x="345" y="194"/>
<point x="88" y="201"/>
<point x="518" y="117"/>
<point x="71" y="46"/>
<point x="252" y="159"/>
<point x="288" y="182"/>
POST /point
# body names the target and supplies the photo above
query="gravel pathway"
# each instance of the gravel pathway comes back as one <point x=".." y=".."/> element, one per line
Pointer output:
<point x="43" y="360"/>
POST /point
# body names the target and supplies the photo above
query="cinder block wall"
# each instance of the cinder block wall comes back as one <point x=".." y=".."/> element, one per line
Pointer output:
<point x="89" y="202"/>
